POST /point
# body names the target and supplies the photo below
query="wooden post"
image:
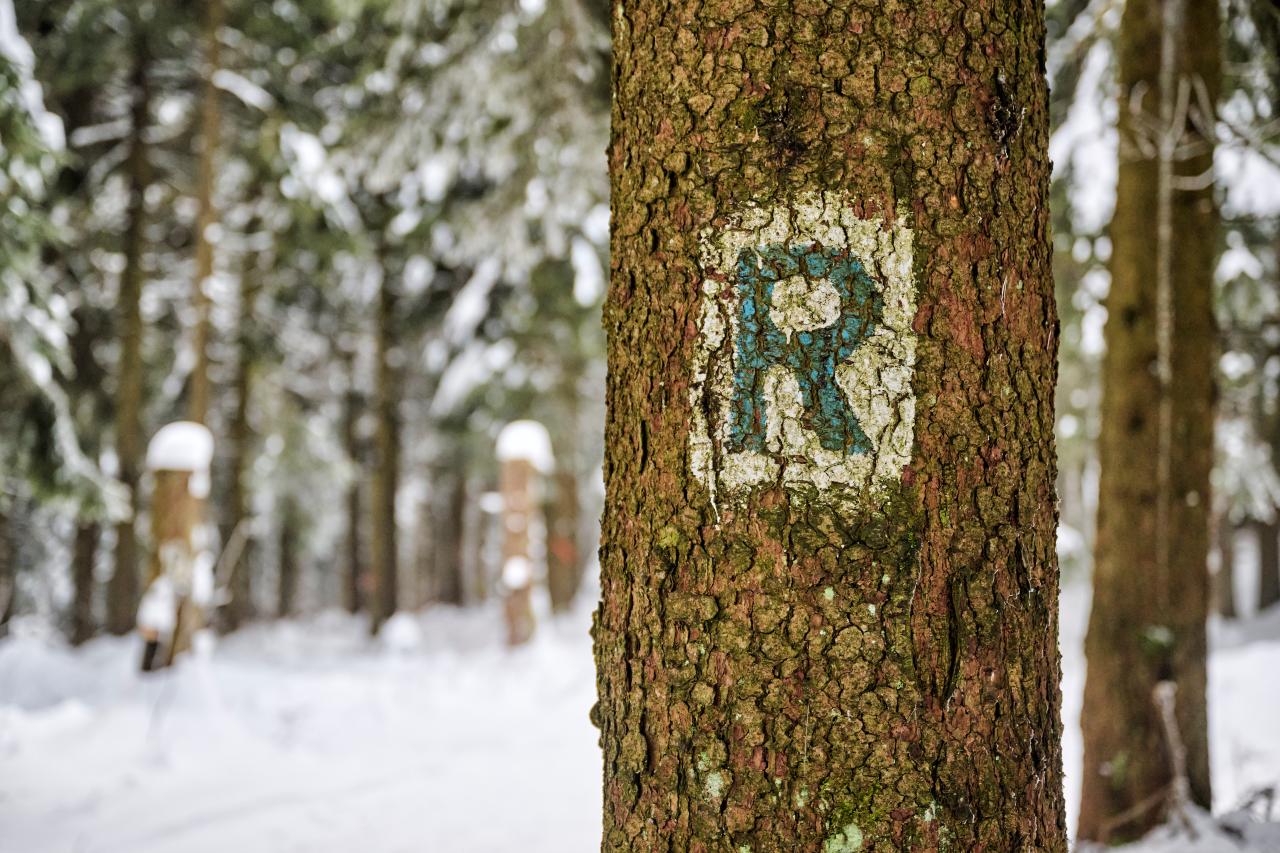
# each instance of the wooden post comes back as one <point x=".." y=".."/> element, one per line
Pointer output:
<point x="180" y="573"/>
<point x="524" y="452"/>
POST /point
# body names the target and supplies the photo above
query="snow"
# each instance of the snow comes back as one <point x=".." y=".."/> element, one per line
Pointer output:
<point x="305" y="735"/>
<point x="14" y="49"/>
<point x="308" y="735"/>
<point x="249" y="93"/>
<point x="181" y="446"/>
<point x="159" y="608"/>
<point x="516" y="572"/>
<point x="527" y="440"/>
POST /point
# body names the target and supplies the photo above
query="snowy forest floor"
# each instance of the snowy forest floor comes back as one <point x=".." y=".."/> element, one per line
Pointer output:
<point x="307" y="736"/>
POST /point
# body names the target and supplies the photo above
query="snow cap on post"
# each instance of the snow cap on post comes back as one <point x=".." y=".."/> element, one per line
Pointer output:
<point x="527" y="440"/>
<point x="183" y="446"/>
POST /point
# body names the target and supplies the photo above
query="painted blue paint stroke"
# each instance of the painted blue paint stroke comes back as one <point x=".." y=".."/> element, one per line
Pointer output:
<point x="812" y="356"/>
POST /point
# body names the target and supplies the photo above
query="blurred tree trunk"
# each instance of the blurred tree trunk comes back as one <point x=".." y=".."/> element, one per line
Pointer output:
<point x="792" y="665"/>
<point x="564" y="564"/>
<point x="450" y="541"/>
<point x="1224" y="591"/>
<point x="386" y="470"/>
<point x="87" y="390"/>
<point x="84" y="555"/>
<point x="8" y="568"/>
<point x="354" y="562"/>
<point x="288" y="557"/>
<point x="1151" y="585"/>
<point x="1268" y="563"/>
<point x="210" y="120"/>
<point x="240" y="608"/>
<point x="122" y="589"/>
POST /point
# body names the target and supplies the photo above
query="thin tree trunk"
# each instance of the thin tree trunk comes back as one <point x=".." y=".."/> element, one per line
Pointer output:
<point x="452" y="557"/>
<point x="210" y="120"/>
<point x="87" y="387"/>
<point x="1225" y="580"/>
<point x="386" y="474"/>
<point x="1151" y="585"/>
<point x="8" y="568"/>
<point x="1268" y="563"/>
<point x="829" y="615"/>
<point x="84" y="557"/>
<point x="288" y="558"/>
<point x="122" y="589"/>
<point x="354" y="559"/>
<point x="240" y="608"/>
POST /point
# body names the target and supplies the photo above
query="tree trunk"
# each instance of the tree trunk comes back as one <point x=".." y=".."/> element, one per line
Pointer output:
<point x="1151" y="585"/>
<point x="122" y="589"/>
<point x="354" y="559"/>
<point x="8" y="568"/>
<point x="564" y="564"/>
<point x="1268" y="563"/>
<point x="90" y="404"/>
<point x="386" y="474"/>
<point x="210" y="119"/>
<point x="84" y="556"/>
<point x="449" y="542"/>
<point x="288" y="558"/>
<point x="829" y="615"/>
<point x="1225" y="580"/>
<point x="240" y="608"/>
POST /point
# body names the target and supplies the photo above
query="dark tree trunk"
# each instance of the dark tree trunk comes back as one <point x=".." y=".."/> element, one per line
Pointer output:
<point x="8" y="569"/>
<point x="122" y="589"/>
<point x="1268" y="563"/>
<point x="449" y="551"/>
<point x="386" y="469"/>
<point x="353" y="597"/>
<point x="84" y="557"/>
<point x="1225" y="580"/>
<point x="91" y="406"/>
<point x="1150" y="583"/>
<point x="288" y="559"/>
<point x="210" y="121"/>
<point x="240" y="608"/>
<point x="829" y="615"/>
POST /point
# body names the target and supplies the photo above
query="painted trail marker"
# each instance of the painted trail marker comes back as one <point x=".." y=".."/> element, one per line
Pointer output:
<point x="806" y="352"/>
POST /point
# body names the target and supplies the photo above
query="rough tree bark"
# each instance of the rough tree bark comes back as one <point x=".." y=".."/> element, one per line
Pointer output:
<point x="386" y="462"/>
<point x="1150" y="582"/>
<point x="122" y="589"/>
<point x="829" y="613"/>
<point x="210" y="121"/>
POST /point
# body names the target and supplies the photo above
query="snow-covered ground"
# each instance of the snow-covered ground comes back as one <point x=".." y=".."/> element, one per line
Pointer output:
<point x="306" y="736"/>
